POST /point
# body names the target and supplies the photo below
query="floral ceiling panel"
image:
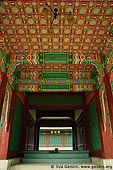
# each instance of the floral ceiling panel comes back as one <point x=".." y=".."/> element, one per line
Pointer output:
<point x="25" y="27"/>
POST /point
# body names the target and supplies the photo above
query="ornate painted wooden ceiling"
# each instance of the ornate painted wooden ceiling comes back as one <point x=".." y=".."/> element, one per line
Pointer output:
<point x="25" y="27"/>
<point x="72" y="59"/>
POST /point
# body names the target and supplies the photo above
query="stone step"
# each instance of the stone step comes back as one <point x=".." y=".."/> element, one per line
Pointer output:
<point x="59" y="151"/>
<point x="55" y="160"/>
<point x="56" y="155"/>
<point x="59" y="156"/>
<point x="50" y="166"/>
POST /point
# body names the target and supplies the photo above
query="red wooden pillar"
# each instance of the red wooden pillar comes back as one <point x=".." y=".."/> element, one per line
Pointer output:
<point x="2" y="91"/>
<point x="106" y="137"/>
<point x="2" y="94"/>
<point x="86" y="124"/>
<point x="109" y="97"/>
<point x="5" y="135"/>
